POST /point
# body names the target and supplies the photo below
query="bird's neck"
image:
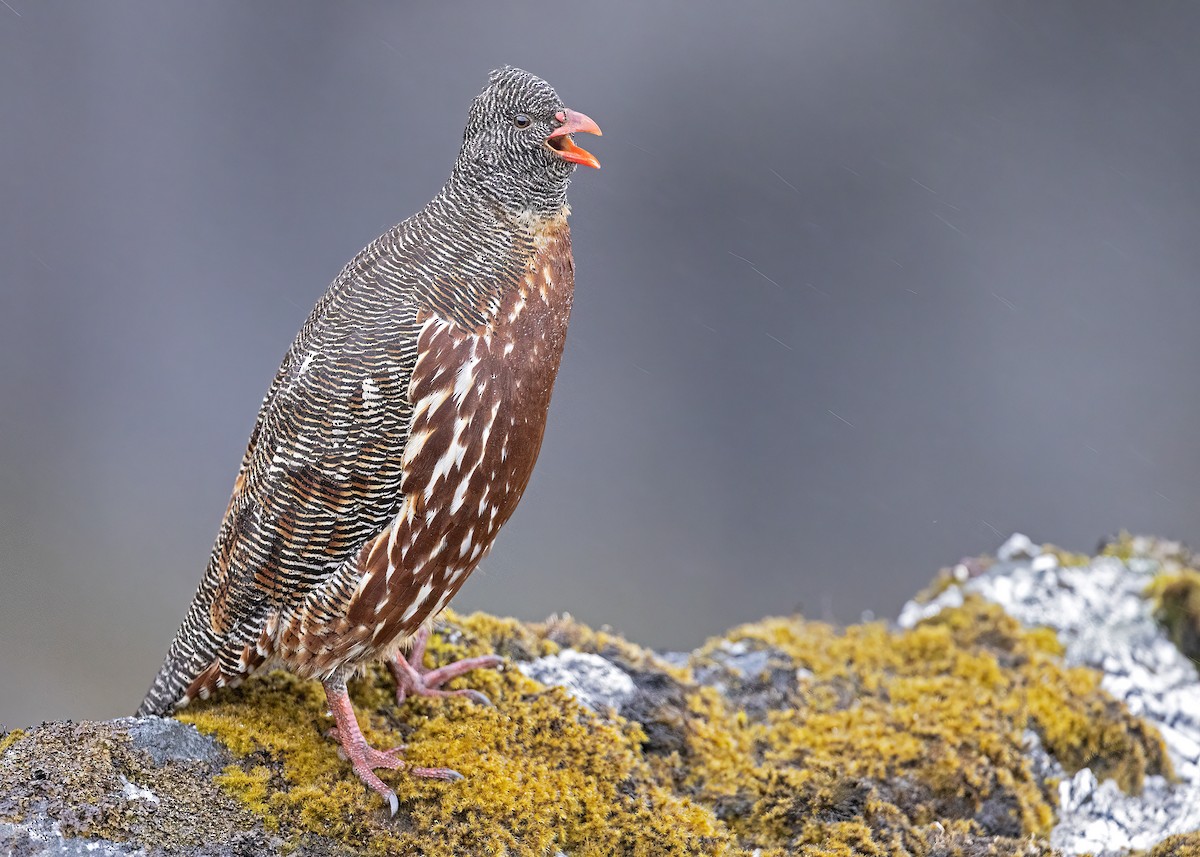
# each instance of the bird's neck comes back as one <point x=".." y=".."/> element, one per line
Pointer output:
<point x="525" y="204"/>
<point x="466" y="251"/>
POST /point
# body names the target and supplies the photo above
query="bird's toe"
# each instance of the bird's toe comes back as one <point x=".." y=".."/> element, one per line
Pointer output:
<point x="379" y="786"/>
<point x="475" y="696"/>
<point x="412" y="680"/>
<point x="448" y="775"/>
<point x="389" y="759"/>
<point x="441" y="675"/>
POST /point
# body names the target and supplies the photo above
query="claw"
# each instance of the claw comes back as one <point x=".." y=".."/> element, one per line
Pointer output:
<point x="476" y="697"/>
<point x="364" y="758"/>
<point x="413" y="679"/>
<point x="448" y="775"/>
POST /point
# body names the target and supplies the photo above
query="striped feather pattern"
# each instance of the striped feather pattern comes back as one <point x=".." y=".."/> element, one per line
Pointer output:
<point x="401" y="427"/>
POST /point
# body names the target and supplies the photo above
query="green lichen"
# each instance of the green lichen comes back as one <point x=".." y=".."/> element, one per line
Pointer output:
<point x="1176" y="598"/>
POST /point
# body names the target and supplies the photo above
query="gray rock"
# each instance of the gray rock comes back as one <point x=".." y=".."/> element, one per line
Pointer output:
<point x="149" y="779"/>
<point x="597" y="683"/>
<point x="758" y="680"/>
<point x="167" y="740"/>
<point x="675" y="659"/>
<point x="38" y="838"/>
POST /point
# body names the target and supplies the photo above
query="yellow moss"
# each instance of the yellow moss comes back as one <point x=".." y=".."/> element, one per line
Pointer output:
<point x="565" y="632"/>
<point x="1083" y="727"/>
<point x="506" y="635"/>
<point x="886" y="742"/>
<point x="942" y="707"/>
<point x="252" y="786"/>
<point x="1121" y="547"/>
<point x="942" y="581"/>
<point x="1065" y="557"/>
<point x="11" y="738"/>
<point x="541" y="773"/>
<point x="1183" y="845"/>
<point x="1176" y="597"/>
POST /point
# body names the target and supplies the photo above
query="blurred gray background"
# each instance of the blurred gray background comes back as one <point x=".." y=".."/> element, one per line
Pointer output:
<point x="862" y="288"/>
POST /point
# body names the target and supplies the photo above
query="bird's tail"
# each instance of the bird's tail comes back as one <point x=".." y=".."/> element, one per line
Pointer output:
<point x="191" y="665"/>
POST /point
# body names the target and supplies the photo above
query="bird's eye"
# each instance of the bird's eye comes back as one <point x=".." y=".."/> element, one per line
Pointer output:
<point x="522" y="121"/>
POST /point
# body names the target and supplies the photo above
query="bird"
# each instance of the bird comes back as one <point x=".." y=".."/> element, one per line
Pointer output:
<point x="398" y="434"/>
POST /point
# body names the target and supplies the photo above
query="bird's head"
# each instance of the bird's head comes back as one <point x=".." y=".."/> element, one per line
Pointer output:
<point x="518" y="140"/>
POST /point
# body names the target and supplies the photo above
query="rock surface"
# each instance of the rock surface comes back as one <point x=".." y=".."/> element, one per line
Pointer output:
<point x="961" y="730"/>
<point x="1100" y="613"/>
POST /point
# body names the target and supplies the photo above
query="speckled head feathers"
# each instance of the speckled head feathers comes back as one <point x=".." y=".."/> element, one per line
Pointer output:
<point x="505" y="142"/>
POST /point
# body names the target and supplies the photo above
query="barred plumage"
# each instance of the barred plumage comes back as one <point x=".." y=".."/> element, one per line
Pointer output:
<point x="400" y="430"/>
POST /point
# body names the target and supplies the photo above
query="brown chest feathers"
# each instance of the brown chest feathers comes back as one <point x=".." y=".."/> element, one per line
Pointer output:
<point x="480" y="399"/>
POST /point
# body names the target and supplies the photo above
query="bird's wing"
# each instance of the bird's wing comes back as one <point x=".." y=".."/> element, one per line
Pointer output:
<point x="322" y="471"/>
<point x="320" y="476"/>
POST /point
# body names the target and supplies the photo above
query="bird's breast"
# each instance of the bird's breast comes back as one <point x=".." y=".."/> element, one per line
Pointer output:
<point x="480" y="399"/>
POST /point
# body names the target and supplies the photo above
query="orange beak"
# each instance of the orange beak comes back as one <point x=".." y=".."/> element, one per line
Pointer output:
<point x="562" y="144"/>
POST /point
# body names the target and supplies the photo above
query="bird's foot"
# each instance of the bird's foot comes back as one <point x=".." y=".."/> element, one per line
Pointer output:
<point x="371" y="753"/>
<point x="364" y="758"/>
<point x="413" y="679"/>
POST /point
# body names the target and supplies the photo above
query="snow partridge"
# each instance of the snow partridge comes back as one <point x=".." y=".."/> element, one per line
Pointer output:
<point x="399" y="433"/>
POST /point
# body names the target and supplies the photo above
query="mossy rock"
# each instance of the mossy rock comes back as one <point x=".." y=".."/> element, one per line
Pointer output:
<point x="1176" y="599"/>
<point x="782" y="737"/>
<point x="1184" y="845"/>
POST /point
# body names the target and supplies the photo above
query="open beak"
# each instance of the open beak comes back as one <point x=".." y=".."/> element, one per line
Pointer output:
<point x="562" y="144"/>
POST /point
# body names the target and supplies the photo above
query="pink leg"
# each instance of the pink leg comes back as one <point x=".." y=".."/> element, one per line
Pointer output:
<point x="412" y="677"/>
<point x="362" y="756"/>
